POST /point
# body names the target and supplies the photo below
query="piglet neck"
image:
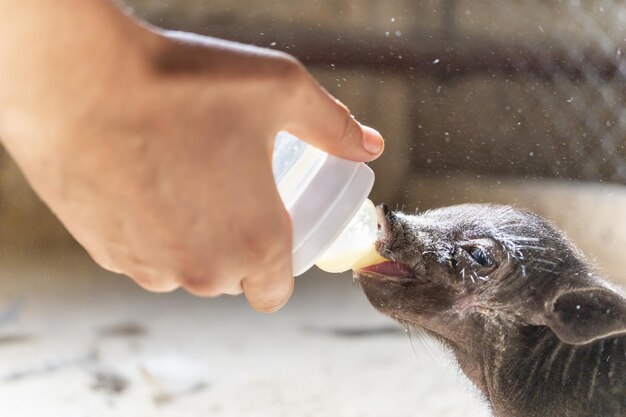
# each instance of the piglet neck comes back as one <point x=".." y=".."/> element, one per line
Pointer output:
<point x="535" y="374"/>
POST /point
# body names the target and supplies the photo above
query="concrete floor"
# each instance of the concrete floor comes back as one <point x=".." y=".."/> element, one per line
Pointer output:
<point x="76" y="341"/>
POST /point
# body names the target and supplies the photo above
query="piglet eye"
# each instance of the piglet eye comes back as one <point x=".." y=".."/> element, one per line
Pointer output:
<point x="479" y="256"/>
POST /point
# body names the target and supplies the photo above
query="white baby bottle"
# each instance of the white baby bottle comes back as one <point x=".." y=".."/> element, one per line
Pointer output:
<point x="334" y="224"/>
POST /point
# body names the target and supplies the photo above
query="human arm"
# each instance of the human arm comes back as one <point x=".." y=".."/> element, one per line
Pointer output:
<point x="154" y="148"/>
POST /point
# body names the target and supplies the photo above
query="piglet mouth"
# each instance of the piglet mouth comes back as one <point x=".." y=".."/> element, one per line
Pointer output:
<point x="386" y="270"/>
<point x="390" y="270"/>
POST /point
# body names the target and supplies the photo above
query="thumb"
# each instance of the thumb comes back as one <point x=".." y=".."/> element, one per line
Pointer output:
<point x="324" y="122"/>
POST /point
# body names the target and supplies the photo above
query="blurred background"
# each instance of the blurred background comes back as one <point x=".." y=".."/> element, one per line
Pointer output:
<point x="516" y="102"/>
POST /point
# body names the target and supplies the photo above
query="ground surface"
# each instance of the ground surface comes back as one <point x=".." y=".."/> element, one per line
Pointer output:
<point x="75" y="341"/>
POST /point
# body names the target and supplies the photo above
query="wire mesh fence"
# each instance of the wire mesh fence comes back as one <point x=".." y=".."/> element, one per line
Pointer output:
<point x="531" y="88"/>
<point x="547" y="86"/>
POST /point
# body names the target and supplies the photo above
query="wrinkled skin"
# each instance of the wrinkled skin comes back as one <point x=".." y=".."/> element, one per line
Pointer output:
<point x="530" y="323"/>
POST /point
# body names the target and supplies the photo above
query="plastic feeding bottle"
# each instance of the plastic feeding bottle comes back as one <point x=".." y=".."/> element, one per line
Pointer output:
<point x="334" y="224"/>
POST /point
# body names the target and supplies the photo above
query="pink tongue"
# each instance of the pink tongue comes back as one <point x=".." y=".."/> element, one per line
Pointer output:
<point x="390" y="269"/>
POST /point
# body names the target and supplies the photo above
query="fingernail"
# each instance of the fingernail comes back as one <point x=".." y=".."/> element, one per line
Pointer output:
<point x="372" y="140"/>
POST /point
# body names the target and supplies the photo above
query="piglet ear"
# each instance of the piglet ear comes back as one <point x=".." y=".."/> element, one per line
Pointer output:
<point x="583" y="315"/>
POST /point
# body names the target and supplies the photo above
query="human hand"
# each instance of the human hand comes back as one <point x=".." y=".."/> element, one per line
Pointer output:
<point x="154" y="148"/>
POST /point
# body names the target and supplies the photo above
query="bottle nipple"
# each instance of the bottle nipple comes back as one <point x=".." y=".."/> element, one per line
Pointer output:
<point x="355" y="246"/>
